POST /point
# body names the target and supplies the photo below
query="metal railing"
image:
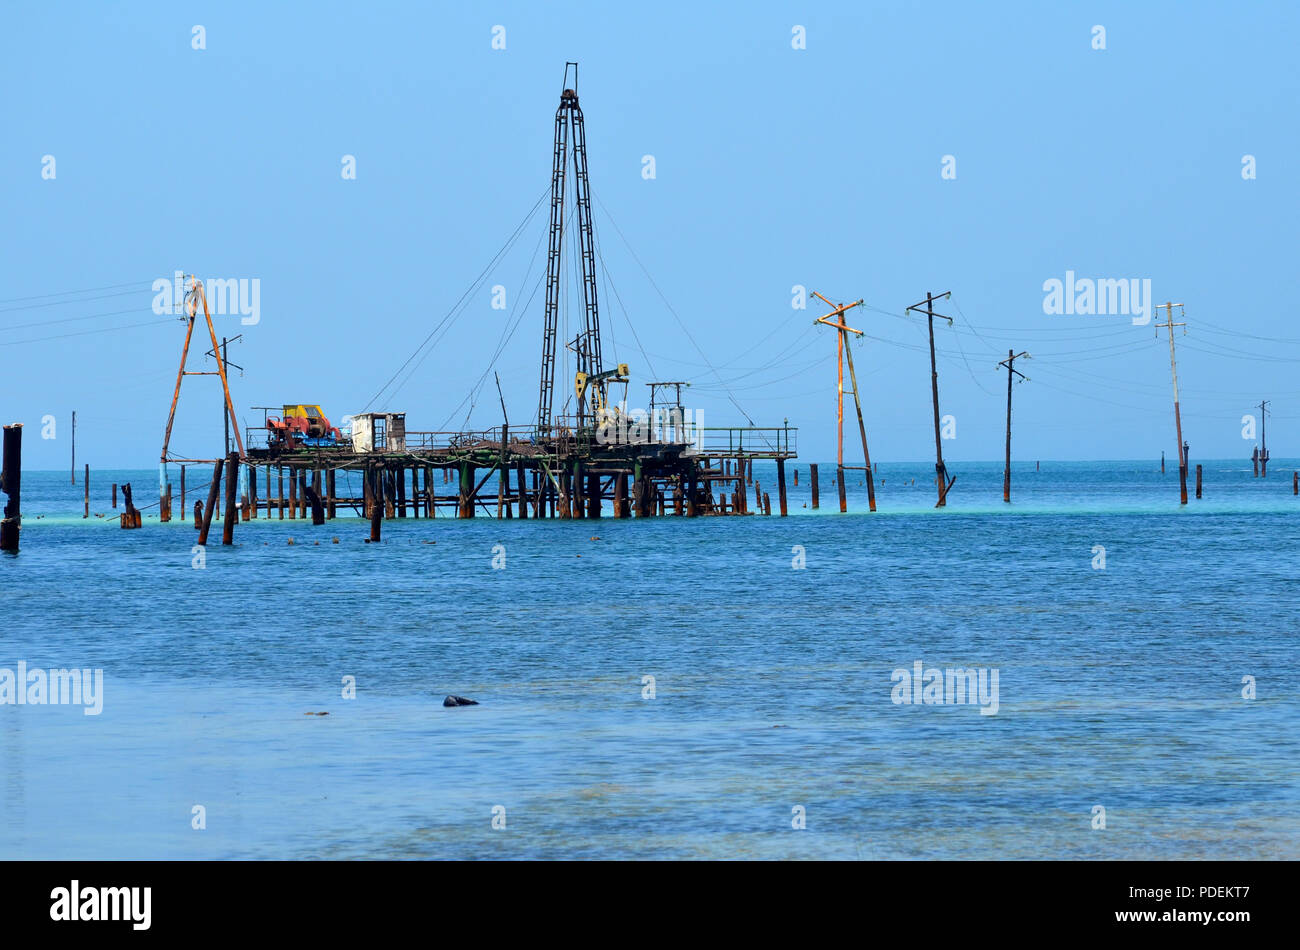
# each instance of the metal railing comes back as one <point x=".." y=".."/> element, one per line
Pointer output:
<point x="775" y="442"/>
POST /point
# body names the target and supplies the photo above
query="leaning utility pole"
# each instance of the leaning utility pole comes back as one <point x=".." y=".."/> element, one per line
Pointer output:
<point x="1173" y="369"/>
<point x="940" y="472"/>
<point x="836" y="319"/>
<point x="1009" y="363"/>
<point x="1263" y="439"/>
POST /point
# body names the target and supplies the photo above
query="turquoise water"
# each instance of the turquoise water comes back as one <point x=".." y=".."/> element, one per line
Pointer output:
<point x="1118" y="687"/>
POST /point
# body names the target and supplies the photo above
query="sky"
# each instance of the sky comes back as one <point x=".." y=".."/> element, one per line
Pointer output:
<point x="861" y="150"/>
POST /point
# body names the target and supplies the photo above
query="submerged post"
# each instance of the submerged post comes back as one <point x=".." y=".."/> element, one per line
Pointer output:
<point x="131" y="517"/>
<point x="11" y="468"/>
<point x="232" y="512"/>
<point x="1198" y="481"/>
<point x="86" y="487"/>
<point x="780" y="484"/>
<point x="813" y="484"/>
<point x="210" y="507"/>
<point x="375" y="484"/>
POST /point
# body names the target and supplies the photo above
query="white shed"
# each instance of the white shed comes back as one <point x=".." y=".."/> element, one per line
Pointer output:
<point x="379" y="432"/>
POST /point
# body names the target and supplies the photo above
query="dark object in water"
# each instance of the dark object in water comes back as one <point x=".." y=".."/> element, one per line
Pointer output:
<point x="459" y="701"/>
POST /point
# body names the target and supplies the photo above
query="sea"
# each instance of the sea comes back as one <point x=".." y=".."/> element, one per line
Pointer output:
<point x="670" y="688"/>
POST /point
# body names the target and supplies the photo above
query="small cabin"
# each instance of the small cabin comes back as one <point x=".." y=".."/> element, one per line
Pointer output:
<point x="379" y="432"/>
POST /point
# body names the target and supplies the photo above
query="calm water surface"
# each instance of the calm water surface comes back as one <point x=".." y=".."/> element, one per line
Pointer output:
<point x="1118" y="687"/>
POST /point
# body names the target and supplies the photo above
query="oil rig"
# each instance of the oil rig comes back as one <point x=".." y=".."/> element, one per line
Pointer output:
<point x="564" y="466"/>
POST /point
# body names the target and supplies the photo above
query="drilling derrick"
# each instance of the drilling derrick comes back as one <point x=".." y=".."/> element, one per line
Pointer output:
<point x="586" y="346"/>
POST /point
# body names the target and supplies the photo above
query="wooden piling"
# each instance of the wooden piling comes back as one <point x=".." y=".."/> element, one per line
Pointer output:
<point x="796" y="478"/>
<point x="213" y="488"/>
<point x="183" y="491"/>
<point x="466" y="507"/>
<point x="331" y="505"/>
<point x="131" y="517"/>
<point x="86" y="486"/>
<point x="252" y="490"/>
<point x="780" y="484"/>
<point x="593" y="496"/>
<point x="399" y="478"/>
<point x="767" y="504"/>
<point x="814" y="485"/>
<point x="622" y="509"/>
<point x="115" y="494"/>
<point x="839" y="484"/>
<point x="293" y="494"/>
<point x="11" y="471"/>
<point x="232" y="485"/>
<point x="523" y="490"/>
<point x="317" y="505"/>
<point x="577" y="506"/>
<point x="1198" y="481"/>
<point x="1295" y="483"/>
<point x="279" y="504"/>
<point x="375" y="484"/>
<point x="198" y="515"/>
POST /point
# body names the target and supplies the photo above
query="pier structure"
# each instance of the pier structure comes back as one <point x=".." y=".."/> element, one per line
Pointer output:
<point x="673" y="468"/>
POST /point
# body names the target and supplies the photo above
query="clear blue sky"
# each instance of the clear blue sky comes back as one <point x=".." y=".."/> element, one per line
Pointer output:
<point x="774" y="167"/>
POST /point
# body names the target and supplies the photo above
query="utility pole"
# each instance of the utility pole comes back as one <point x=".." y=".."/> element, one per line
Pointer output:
<point x="1173" y="370"/>
<point x="74" y="446"/>
<point x="836" y="320"/>
<point x="224" y="414"/>
<point x="1009" y="363"/>
<point x="940" y="472"/>
<point x="1263" y="438"/>
<point x="227" y="410"/>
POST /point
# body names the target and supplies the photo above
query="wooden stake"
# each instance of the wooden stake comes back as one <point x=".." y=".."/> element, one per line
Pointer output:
<point x="375" y="486"/>
<point x="213" y="488"/>
<point x="232" y="485"/>
<point x="11" y="473"/>
<point x="780" y="484"/>
<point x="814" y="485"/>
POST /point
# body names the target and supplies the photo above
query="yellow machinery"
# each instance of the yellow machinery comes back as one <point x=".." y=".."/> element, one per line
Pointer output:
<point x="597" y="382"/>
<point x="304" y="424"/>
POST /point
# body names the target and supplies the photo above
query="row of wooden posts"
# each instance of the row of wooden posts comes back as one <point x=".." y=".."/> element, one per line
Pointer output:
<point x="384" y="493"/>
<point x="574" y="494"/>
